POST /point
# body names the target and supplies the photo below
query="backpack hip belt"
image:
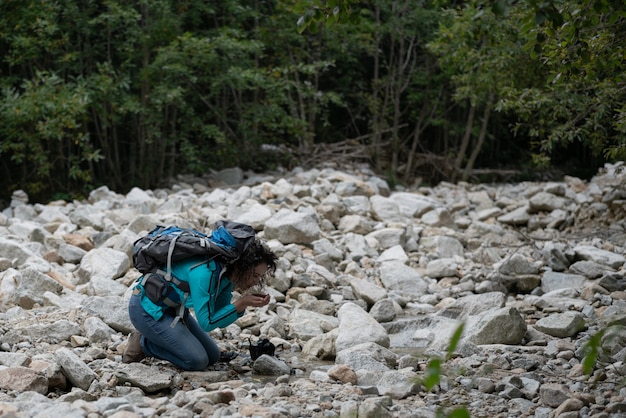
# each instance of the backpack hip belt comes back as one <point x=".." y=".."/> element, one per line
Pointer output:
<point x="158" y="288"/>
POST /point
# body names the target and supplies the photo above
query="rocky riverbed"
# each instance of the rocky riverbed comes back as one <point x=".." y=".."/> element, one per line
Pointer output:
<point x="371" y="286"/>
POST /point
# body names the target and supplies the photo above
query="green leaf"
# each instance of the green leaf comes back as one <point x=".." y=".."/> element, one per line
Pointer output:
<point x="433" y="374"/>
<point x="454" y="341"/>
<point x="540" y="18"/>
<point x="479" y="14"/>
<point x="459" y="413"/>
<point x="592" y="348"/>
<point x="500" y="7"/>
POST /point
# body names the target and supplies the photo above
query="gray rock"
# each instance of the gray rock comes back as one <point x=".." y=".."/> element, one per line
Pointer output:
<point x="97" y="331"/>
<point x="14" y="359"/>
<point x="432" y="333"/>
<point x="398" y="384"/>
<point x="358" y="205"/>
<point x="356" y="327"/>
<point x="553" y="395"/>
<point x="613" y="282"/>
<point x="75" y="369"/>
<point x="287" y="227"/>
<point x="517" y="264"/>
<point x="385" y="209"/>
<point x="556" y="256"/>
<point x="413" y="205"/>
<point x="321" y="346"/>
<point x="395" y="253"/>
<point x="356" y="224"/>
<point x="597" y="255"/>
<point x="614" y="314"/>
<point x="60" y="330"/>
<point x="349" y="409"/>
<point x="545" y="202"/>
<point x="22" y="379"/>
<point x="414" y="262"/>
<point x="500" y="326"/>
<point x="113" y="310"/>
<point x="588" y="269"/>
<point x="304" y="324"/>
<point x="148" y="379"/>
<point x="442" y="267"/>
<point x="519" y="216"/>
<point x="325" y="246"/>
<point x="385" y="310"/>
<point x="469" y="305"/>
<point x="104" y="263"/>
<point x="367" y="291"/>
<point x="267" y="365"/>
<point x="15" y="251"/>
<point x="551" y="281"/>
<point x="442" y="246"/>
<point x="389" y="237"/>
<point x="71" y="254"/>
<point x="367" y="358"/>
<point x="401" y="278"/>
<point x="561" y="325"/>
<point x="438" y="217"/>
<point x="488" y="213"/>
<point x="357" y="247"/>
<point x="31" y="286"/>
<point x="139" y="198"/>
<point x="255" y="215"/>
<point x="375" y="408"/>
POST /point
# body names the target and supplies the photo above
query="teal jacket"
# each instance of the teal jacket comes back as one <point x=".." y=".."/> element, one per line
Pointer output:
<point x="209" y="297"/>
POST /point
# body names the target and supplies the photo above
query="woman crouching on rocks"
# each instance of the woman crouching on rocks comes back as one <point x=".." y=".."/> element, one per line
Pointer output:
<point x="173" y="334"/>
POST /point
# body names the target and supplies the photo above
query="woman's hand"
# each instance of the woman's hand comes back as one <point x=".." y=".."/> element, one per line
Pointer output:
<point x="251" y="300"/>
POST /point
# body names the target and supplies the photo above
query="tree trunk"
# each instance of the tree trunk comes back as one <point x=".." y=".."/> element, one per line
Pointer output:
<point x="376" y="117"/>
<point x="140" y="168"/>
<point x="464" y="143"/>
<point x="481" y="138"/>
<point x="417" y="134"/>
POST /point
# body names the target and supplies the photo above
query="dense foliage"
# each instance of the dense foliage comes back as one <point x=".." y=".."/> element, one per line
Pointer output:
<point x="130" y="93"/>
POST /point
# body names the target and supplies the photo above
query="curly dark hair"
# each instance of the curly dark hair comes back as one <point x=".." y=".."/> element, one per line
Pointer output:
<point x="256" y="253"/>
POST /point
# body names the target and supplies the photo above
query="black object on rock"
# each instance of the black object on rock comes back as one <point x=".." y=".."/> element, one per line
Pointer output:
<point x="263" y="346"/>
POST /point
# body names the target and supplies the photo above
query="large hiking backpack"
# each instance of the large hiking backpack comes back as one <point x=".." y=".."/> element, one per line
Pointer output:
<point x="167" y="244"/>
<point x="154" y="253"/>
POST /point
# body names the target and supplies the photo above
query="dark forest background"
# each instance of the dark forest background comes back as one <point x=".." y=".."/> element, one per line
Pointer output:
<point x="130" y="93"/>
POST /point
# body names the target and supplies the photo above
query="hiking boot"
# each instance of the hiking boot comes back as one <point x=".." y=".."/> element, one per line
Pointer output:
<point x="227" y="356"/>
<point x="133" y="352"/>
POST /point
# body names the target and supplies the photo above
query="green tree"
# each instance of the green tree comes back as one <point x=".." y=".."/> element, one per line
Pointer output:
<point x="44" y="136"/>
<point x="482" y="54"/>
<point x="407" y="93"/>
<point x="581" y="46"/>
<point x="43" y="126"/>
<point x="389" y="82"/>
<point x="131" y="93"/>
<point x="300" y="66"/>
<point x="315" y="14"/>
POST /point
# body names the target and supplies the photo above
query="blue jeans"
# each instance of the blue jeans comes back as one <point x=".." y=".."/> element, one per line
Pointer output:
<point x="185" y="345"/>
